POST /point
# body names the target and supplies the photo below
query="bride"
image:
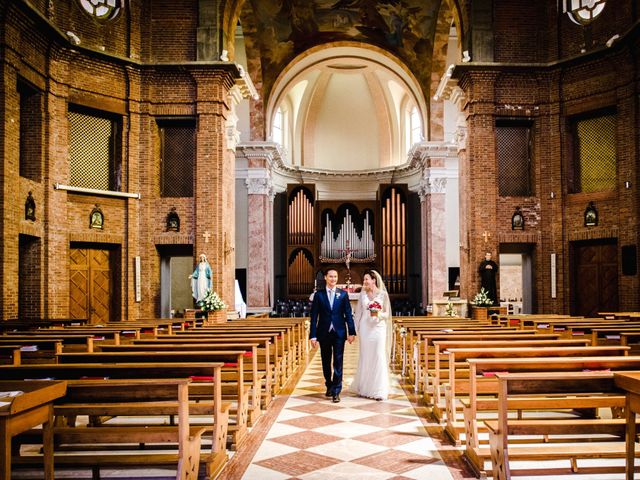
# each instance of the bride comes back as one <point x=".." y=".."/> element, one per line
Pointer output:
<point x="373" y="324"/>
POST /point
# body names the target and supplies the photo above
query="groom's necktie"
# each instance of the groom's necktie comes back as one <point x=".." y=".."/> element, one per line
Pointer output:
<point x="332" y="294"/>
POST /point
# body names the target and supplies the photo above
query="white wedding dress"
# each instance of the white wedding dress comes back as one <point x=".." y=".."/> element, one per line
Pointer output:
<point x="372" y="376"/>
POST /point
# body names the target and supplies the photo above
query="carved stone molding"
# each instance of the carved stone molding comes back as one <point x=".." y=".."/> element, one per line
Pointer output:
<point x="429" y="185"/>
<point x="259" y="186"/>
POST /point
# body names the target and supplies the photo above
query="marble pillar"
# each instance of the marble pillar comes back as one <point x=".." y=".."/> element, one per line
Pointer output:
<point x="260" y="242"/>
<point x="434" y="264"/>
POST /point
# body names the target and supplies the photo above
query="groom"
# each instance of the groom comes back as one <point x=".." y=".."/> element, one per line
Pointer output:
<point x="331" y="325"/>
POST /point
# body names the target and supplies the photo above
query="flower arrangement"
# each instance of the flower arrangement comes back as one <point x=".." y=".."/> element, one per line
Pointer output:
<point x="482" y="299"/>
<point x="375" y="307"/>
<point x="212" y="302"/>
<point x="450" y="310"/>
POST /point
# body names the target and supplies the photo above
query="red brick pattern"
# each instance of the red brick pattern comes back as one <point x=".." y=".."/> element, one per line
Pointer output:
<point x="104" y="72"/>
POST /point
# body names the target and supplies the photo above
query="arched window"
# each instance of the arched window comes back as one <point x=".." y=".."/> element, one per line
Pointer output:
<point x="413" y="127"/>
<point x="277" y="131"/>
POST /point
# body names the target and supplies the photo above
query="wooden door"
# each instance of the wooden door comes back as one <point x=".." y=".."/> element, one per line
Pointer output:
<point x="90" y="284"/>
<point x="595" y="284"/>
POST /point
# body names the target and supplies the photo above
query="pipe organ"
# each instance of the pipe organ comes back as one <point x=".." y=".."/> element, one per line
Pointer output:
<point x="348" y="236"/>
<point x="394" y="238"/>
<point x="300" y="239"/>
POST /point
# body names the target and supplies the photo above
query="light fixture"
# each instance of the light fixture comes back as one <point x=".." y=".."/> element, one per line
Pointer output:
<point x="583" y="12"/>
<point x="627" y="184"/>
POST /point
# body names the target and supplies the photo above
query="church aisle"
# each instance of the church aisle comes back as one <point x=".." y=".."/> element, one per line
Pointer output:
<point x="359" y="438"/>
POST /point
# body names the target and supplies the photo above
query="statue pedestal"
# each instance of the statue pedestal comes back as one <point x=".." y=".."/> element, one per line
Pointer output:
<point x="217" y="316"/>
<point x="460" y="306"/>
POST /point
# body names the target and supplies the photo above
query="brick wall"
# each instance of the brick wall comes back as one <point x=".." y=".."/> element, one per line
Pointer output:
<point x="106" y="80"/>
<point x="550" y="96"/>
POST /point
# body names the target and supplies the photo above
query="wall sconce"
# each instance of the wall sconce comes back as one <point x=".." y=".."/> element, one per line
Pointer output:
<point x="627" y="184"/>
<point x="552" y="195"/>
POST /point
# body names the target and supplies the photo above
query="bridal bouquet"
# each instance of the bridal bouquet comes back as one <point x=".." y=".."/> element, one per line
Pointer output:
<point x="375" y="307"/>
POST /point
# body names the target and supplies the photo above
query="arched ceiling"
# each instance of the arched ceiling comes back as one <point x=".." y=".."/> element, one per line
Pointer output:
<point x="343" y="101"/>
<point x="279" y="30"/>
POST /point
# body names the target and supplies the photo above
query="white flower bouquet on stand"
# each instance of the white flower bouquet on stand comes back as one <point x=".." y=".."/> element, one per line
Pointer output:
<point x="212" y="302"/>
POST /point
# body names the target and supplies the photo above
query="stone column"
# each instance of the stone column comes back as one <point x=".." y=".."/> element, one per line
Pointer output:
<point x="433" y="237"/>
<point x="260" y="241"/>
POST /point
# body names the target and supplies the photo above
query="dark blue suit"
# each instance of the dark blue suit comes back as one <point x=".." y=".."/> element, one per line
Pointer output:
<point x="331" y="342"/>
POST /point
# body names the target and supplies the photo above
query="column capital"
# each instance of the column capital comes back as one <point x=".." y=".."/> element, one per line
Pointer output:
<point x="260" y="186"/>
<point x="429" y="185"/>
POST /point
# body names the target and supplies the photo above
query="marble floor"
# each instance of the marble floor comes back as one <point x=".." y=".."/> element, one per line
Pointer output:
<point x="358" y="438"/>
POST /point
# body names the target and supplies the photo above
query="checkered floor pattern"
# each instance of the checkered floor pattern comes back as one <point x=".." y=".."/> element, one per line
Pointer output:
<point x="358" y="438"/>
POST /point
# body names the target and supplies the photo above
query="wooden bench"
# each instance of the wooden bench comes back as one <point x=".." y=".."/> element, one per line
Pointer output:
<point x="280" y="352"/>
<point x="232" y="375"/>
<point x="69" y="342"/>
<point x="118" y="398"/>
<point x="483" y="389"/>
<point x="439" y="374"/>
<point x="289" y="336"/>
<point x="462" y="379"/>
<point x="216" y="411"/>
<point x="410" y="343"/>
<point x="276" y="349"/>
<point x="552" y="391"/>
<point x="426" y="339"/>
<point x="255" y="375"/>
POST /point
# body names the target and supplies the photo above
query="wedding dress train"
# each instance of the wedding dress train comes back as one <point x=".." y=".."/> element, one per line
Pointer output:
<point x="372" y="376"/>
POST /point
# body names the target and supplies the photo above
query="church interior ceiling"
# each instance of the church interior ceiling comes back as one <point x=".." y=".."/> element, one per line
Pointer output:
<point x="286" y="28"/>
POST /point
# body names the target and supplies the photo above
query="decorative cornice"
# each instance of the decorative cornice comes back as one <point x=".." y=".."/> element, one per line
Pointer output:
<point x="245" y="84"/>
<point x="411" y="172"/>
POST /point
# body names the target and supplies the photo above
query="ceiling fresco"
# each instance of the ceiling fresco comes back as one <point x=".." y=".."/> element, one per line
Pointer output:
<point x="286" y="28"/>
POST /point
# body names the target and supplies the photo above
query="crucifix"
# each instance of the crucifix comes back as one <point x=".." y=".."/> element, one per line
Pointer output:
<point x="486" y="235"/>
<point x="347" y="260"/>
<point x="206" y="236"/>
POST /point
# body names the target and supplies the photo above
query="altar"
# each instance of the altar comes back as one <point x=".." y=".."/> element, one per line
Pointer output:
<point x="460" y="306"/>
<point x="354" y="293"/>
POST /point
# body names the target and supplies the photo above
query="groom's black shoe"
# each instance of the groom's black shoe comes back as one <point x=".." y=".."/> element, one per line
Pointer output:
<point x="328" y="393"/>
<point x="336" y="398"/>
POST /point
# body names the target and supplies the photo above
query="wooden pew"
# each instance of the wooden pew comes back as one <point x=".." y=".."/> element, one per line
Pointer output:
<point x="276" y="355"/>
<point x="440" y="372"/>
<point x="10" y="354"/>
<point x="411" y="344"/>
<point x="217" y="410"/>
<point x="69" y="341"/>
<point x="483" y="388"/>
<point x="426" y="339"/>
<point x="118" y="398"/>
<point x="233" y="380"/>
<point x="253" y="375"/>
<point x="24" y="324"/>
<point x="280" y="351"/>
<point x="462" y="380"/>
<point x="290" y="335"/>
<point x="552" y="391"/>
